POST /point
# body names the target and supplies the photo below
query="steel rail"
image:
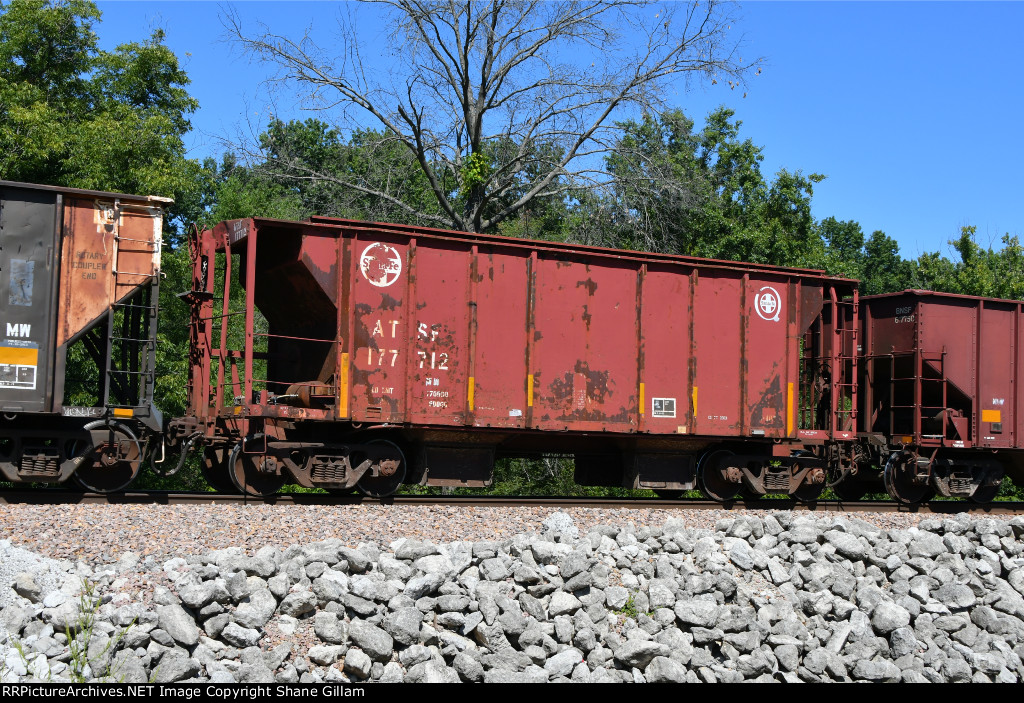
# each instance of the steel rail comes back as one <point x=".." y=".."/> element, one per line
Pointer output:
<point x="59" y="497"/>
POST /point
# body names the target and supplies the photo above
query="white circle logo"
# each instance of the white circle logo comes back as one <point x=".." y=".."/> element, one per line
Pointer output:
<point x="381" y="264"/>
<point x="767" y="303"/>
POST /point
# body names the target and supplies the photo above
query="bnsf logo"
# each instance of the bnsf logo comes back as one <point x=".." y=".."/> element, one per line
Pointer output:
<point x="15" y="329"/>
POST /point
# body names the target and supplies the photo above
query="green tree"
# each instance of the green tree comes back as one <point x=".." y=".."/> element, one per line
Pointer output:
<point x="978" y="271"/>
<point x="76" y="116"/>
<point x="703" y="193"/>
<point x="73" y="115"/>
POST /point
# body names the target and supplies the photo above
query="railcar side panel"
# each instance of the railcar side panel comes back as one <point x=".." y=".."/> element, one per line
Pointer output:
<point x="666" y="351"/>
<point x="29" y="234"/>
<point x="380" y="328"/>
<point x="501" y="358"/>
<point x="438" y="305"/>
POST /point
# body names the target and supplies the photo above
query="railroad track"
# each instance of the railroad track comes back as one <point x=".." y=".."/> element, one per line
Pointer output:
<point x="197" y="498"/>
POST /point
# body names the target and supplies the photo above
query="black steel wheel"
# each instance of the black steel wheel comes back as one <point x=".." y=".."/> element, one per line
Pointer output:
<point x="711" y="476"/>
<point x="987" y="491"/>
<point x="809" y="492"/>
<point x="386" y="473"/>
<point x="850" y="490"/>
<point x="985" y="494"/>
<point x="901" y="481"/>
<point x="215" y="470"/>
<point x="113" y="461"/>
<point x="252" y="474"/>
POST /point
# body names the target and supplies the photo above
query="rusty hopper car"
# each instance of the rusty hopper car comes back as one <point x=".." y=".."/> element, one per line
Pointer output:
<point x="346" y="354"/>
<point x="79" y="272"/>
<point x="943" y="404"/>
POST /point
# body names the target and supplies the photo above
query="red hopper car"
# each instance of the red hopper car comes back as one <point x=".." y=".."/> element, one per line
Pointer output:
<point x="367" y="355"/>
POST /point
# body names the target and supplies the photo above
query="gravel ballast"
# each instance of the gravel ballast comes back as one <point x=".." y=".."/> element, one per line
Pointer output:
<point x="257" y="594"/>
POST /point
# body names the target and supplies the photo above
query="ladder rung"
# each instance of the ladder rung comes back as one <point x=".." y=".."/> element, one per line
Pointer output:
<point x="157" y="242"/>
<point x="127" y="306"/>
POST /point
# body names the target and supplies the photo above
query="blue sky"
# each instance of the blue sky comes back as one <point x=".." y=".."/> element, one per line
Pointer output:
<point x="912" y="109"/>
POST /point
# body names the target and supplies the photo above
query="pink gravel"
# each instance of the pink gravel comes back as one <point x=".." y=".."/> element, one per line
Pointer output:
<point x="100" y="534"/>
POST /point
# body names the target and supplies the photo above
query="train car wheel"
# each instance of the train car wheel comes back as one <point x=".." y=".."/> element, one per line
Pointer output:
<point x="389" y="469"/>
<point x="985" y="494"/>
<point x="901" y="483"/>
<point x="712" y="476"/>
<point x="215" y="470"/>
<point x="114" y="460"/>
<point x="808" y="492"/>
<point x="987" y="491"/>
<point x="850" y="490"/>
<point x="253" y="474"/>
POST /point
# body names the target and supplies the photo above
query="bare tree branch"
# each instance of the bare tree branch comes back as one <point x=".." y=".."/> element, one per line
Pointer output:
<point x="477" y="74"/>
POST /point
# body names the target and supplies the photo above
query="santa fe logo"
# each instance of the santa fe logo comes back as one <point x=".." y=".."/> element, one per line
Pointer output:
<point x="767" y="303"/>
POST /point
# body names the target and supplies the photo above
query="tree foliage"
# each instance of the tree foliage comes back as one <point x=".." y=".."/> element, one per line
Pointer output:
<point x="74" y="115"/>
<point x="702" y="193"/>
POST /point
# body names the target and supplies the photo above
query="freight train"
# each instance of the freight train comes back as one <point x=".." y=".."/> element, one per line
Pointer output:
<point x="350" y="355"/>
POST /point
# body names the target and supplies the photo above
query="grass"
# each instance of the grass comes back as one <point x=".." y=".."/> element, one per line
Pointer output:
<point x="80" y="637"/>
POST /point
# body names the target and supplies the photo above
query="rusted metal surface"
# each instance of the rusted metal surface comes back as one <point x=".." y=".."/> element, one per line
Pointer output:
<point x="111" y="246"/>
<point x="944" y="370"/>
<point x="407" y="325"/>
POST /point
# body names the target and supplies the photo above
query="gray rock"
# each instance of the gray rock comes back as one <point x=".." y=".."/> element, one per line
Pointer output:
<point x="357" y="663"/>
<point x="563" y="663"/>
<point x="325" y="654"/>
<point x="927" y="545"/>
<point x="411" y="550"/>
<point x="256" y="610"/>
<point x="955" y="595"/>
<point x="197" y="596"/>
<point x="422" y="586"/>
<point x="697" y="613"/>
<point x="888" y="616"/>
<point x="876" y="670"/>
<point x="176" y="665"/>
<point x="563" y="603"/>
<point x="298" y="603"/>
<point x="330" y="628"/>
<point x="560" y="525"/>
<point x="238" y="636"/>
<point x="432" y="672"/>
<point x="665" y="670"/>
<point x="26" y="587"/>
<point x="467" y="667"/>
<point x="846" y="545"/>
<point x="506" y="676"/>
<point x="371" y="639"/>
<point x="178" y="623"/>
<point x="638" y="653"/>
<point x="404" y="625"/>
<point x="903" y="642"/>
<point x="358" y="562"/>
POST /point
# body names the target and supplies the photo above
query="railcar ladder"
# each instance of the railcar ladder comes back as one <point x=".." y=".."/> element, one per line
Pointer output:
<point x="915" y="398"/>
<point x="134" y="339"/>
<point x="845" y="382"/>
